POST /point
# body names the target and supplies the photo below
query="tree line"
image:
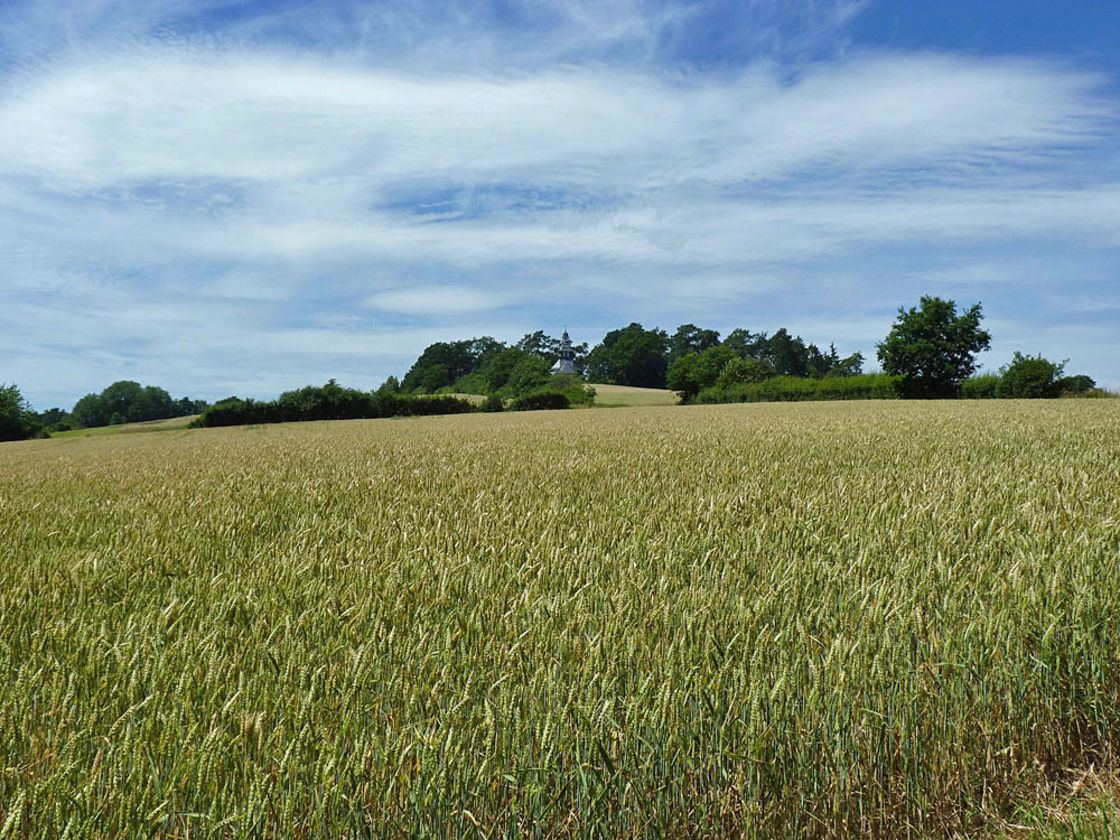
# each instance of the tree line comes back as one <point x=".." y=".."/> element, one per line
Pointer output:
<point x="930" y="352"/>
<point x="630" y="355"/>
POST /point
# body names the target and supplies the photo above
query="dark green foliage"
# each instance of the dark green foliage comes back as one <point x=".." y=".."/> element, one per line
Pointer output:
<point x="392" y="385"/>
<point x="751" y="357"/>
<point x="873" y="386"/>
<point x="1030" y="377"/>
<point x="482" y="366"/>
<point x="90" y="411"/>
<point x="1079" y="384"/>
<point x="982" y="387"/>
<point x="830" y="364"/>
<point x="513" y="372"/>
<point x="932" y="347"/>
<point x="497" y="372"/>
<point x="472" y="383"/>
<point x="632" y="355"/>
<point x="17" y="421"/>
<point x="788" y="355"/>
<point x="739" y="371"/>
<point x="329" y="402"/>
<point x="529" y="374"/>
<point x="444" y="362"/>
<point x="494" y="403"/>
<point x="747" y="345"/>
<point x="691" y="373"/>
<point x="689" y="338"/>
<point x="543" y="400"/>
<point x="52" y="416"/>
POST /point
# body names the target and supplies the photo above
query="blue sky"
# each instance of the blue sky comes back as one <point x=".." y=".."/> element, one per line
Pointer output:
<point x="224" y="197"/>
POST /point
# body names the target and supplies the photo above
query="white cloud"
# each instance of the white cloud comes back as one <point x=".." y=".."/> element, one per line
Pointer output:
<point x="446" y="299"/>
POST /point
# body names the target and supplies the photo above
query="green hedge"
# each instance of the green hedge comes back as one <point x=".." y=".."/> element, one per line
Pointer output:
<point x="330" y="402"/>
<point x="542" y="400"/>
<point x="870" y="386"/>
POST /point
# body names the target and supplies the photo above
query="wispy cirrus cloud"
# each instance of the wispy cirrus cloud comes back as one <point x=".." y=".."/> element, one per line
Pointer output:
<point x="170" y="178"/>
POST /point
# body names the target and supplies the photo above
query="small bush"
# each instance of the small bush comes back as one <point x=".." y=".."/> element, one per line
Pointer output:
<point x="494" y="403"/>
<point x="573" y="387"/>
<point x="982" y="387"/>
<point x="1030" y="377"/>
<point x="543" y="400"/>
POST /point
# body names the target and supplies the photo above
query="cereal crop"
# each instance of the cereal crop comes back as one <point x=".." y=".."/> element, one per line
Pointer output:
<point x="819" y="620"/>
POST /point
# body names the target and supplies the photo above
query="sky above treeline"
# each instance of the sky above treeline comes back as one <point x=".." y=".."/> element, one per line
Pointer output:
<point x="226" y="197"/>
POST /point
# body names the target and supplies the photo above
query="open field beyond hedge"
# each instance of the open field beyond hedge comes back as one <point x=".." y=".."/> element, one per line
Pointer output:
<point x="804" y="619"/>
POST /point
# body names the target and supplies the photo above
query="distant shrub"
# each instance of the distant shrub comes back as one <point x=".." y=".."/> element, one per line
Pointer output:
<point x="1080" y="384"/>
<point x="543" y="400"/>
<point x="982" y="387"/>
<point x="494" y="403"/>
<point x="573" y="387"/>
<point x="1030" y="377"/>
<point x="869" y="386"/>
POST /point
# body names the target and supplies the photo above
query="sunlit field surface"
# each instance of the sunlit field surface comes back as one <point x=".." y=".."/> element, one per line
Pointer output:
<point x="754" y="620"/>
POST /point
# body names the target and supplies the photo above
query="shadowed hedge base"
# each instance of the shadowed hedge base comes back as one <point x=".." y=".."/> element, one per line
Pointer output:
<point x="889" y="618"/>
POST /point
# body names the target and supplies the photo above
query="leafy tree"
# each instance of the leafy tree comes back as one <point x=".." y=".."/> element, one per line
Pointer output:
<point x="932" y="347"/>
<point x="631" y="355"/>
<point x="1078" y="384"/>
<point x="848" y="366"/>
<point x="530" y="374"/>
<point x="788" y="355"/>
<point x="51" y="417"/>
<point x="830" y="363"/>
<point x="445" y="362"/>
<point x="691" y="373"/>
<point x="683" y="377"/>
<point x="16" y="417"/>
<point x="483" y="349"/>
<point x="748" y="345"/>
<point x="689" y="338"/>
<point x="497" y="371"/>
<point x="439" y="365"/>
<point x="541" y="344"/>
<point x="120" y="397"/>
<point x="740" y="371"/>
<point x="90" y="411"/>
<point x="392" y="385"/>
<point x="1030" y="377"/>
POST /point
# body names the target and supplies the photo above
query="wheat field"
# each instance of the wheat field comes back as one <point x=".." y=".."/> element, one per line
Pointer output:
<point x="844" y="619"/>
